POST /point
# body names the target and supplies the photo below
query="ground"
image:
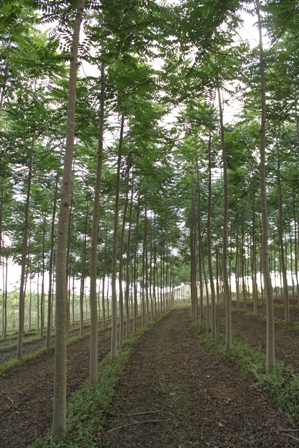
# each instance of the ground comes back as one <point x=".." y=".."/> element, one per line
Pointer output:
<point x="174" y="392"/>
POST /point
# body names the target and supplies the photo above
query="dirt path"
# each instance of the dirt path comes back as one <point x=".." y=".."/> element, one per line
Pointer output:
<point x="182" y="396"/>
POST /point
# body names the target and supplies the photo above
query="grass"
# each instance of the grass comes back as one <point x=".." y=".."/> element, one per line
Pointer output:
<point x="281" y="385"/>
<point x="262" y="318"/>
<point x="14" y="362"/>
<point x="89" y="406"/>
<point x="9" y="347"/>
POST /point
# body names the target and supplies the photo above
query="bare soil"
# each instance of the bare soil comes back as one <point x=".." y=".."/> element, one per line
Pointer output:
<point x="174" y="392"/>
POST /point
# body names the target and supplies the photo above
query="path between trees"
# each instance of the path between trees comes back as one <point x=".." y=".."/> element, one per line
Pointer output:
<point x="177" y="394"/>
<point x="180" y="392"/>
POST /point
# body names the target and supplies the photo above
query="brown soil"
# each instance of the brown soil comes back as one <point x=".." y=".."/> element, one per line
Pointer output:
<point x="174" y="393"/>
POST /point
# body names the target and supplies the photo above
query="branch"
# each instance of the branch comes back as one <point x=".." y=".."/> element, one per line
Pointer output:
<point x="138" y="423"/>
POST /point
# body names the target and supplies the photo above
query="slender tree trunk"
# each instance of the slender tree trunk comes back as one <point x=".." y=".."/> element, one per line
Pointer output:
<point x="210" y="262"/>
<point x="156" y="305"/>
<point x="282" y="252"/>
<point x="24" y="256"/>
<point x="253" y="263"/>
<point x="82" y="280"/>
<point x="93" y="363"/>
<point x="104" y="278"/>
<point x="4" y="294"/>
<point x="194" y="304"/>
<point x="270" y="350"/>
<point x="128" y="280"/>
<point x="51" y="265"/>
<point x="114" y="252"/>
<point x="135" y="273"/>
<point x="217" y="276"/>
<point x="42" y="301"/>
<point x="146" y="266"/>
<point x="244" y="293"/>
<point x="296" y="253"/>
<point x="59" y="405"/>
<point x="200" y="250"/>
<point x="37" y="298"/>
<point x="30" y="304"/>
<point x="73" y="301"/>
<point x="227" y="298"/>
<point x="237" y="264"/>
<point x="120" y="275"/>
<point x="151" y="275"/>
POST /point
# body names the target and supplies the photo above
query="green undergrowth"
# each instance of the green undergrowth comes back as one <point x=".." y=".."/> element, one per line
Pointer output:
<point x="14" y="335"/>
<point x="263" y="318"/>
<point x="89" y="406"/>
<point x="15" y="362"/>
<point x="9" y="347"/>
<point x="281" y="385"/>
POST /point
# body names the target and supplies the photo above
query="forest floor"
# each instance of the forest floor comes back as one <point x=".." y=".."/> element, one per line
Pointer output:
<point x="174" y="392"/>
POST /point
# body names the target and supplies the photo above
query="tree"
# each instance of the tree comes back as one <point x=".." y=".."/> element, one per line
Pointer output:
<point x="59" y="405"/>
<point x="270" y="350"/>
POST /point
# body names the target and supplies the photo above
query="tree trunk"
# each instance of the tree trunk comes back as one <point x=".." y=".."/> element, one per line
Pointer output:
<point x="120" y="275"/>
<point x="4" y="295"/>
<point x="59" y="405"/>
<point x="51" y="265"/>
<point x="104" y="278"/>
<point x="82" y="280"/>
<point x="253" y="261"/>
<point x="227" y="297"/>
<point x="194" y="304"/>
<point x="24" y="256"/>
<point x="244" y="293"/>
<point x="42" y="299"/>
<point x="135" y="273"/>
<point x="210" y="263"/>
<point x="270" y="350"/>
<point x="93" y="364"/>
<point x="114" y="251"/>
<point x="282" y="254"/>
<point x="127" y="292"/>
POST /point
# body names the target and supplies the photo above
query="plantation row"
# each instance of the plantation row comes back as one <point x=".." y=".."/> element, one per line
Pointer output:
<point x="120" y="159"/>
<point x="248" y="346"/>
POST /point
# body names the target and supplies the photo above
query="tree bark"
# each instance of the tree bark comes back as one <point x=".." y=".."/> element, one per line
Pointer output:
<point x="209" y="238"/>
<point x="24" y="256"/>
<point x="120" y="275"/>
<point x="227" y="297"/>
<point x="282" y="251"/>
<point x="114" y="250"/>
<point x="93" y="362"/>
<point x="51" y="265"/>
<point x="270" y="350"/>
<point x="59" y="405"/>
<point x="127" y="292"/>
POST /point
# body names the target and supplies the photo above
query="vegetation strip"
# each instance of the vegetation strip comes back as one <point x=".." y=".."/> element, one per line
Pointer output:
<point x="294" y="326"/>
<point x="90" y="404"/>
<point x="281" y="385"/>
<point x="14" y="362"/>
